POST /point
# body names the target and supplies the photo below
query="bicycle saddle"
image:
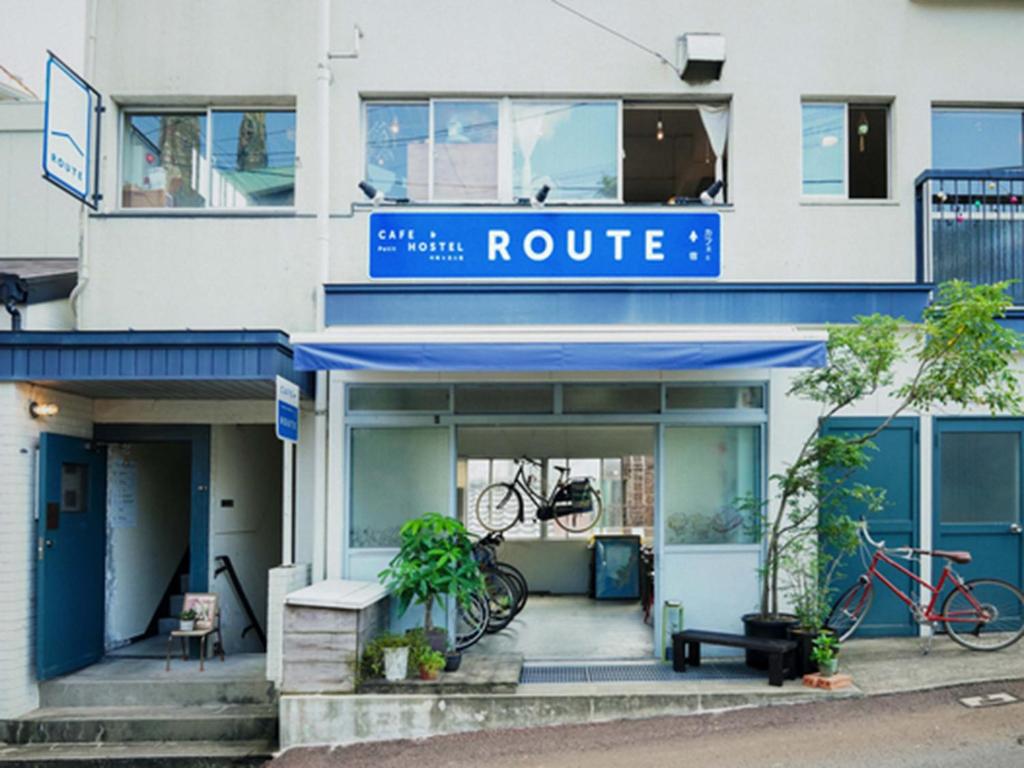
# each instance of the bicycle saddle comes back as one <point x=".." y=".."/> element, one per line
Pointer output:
<point x="562" y="469"/>
<point x="957" y="556"/>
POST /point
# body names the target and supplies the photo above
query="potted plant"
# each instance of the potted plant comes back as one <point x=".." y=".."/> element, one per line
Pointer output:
<point x="187" y="620"/>
<point x="435" y="560"/>
<point x="957" y="355"/>
<point x="452" y="660"/>
<point x="431" y="663"/>
<point x="825" y="652"/>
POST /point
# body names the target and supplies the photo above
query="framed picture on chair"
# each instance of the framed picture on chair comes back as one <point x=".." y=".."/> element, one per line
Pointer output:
<point x="205" y="607"/>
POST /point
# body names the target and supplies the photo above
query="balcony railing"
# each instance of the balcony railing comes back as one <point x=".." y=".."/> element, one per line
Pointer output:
<point x="970" y="225"/>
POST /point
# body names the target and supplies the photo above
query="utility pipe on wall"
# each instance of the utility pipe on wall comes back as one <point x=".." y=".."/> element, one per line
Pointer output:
<point x="323" y="244"/>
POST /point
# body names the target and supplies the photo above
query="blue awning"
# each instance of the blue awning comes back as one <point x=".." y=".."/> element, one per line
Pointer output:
<point x="559" y="356"/>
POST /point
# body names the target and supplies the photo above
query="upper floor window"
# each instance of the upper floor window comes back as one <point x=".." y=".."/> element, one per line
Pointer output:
<point x="503" y="150"/>
<point x="845" y="150"/>
<point x="974" y="139"/>
<point x="213" y="158"/>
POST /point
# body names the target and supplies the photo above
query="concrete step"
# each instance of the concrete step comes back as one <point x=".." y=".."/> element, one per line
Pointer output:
<point x="189" y="754"/>
<point x="176" y="603"/>
<point x="228" y="722"/>
<point x="166" y="624"/>
<point x="76" y="691"/>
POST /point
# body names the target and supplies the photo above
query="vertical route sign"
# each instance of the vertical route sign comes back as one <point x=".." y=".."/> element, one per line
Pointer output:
<point x="287" y="410"/>
<point x="71" y="132"/>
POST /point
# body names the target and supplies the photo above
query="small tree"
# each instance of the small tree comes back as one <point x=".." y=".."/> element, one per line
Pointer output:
<point x="957" y="355"/>
<point x="435" y="559"/>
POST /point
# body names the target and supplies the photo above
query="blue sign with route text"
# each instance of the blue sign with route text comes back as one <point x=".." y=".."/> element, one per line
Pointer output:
<point x="529" y="244"/>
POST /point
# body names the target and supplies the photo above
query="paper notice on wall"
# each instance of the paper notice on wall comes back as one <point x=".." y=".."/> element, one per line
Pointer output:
<point x="122" y="487"/>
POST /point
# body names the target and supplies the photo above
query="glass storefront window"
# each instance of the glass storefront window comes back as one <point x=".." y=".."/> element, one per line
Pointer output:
<point x="486" y="399"/>
<point x="465" y="150"/>
<point x="253" y="159"/>
<point x="979" y="477"/>
<point x="384" y="398"/>
<point x="718" y="397"/>
<point x="397" y="474"/>
<point x="611" y="398"/>
<point x="163" y="161"/>
<point x="571" y="146"/>
<point x="707" y="470"/>
<point x="397" y="149"/>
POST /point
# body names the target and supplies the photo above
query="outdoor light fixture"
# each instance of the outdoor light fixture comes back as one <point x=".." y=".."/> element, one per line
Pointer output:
<point x="659" y="131"/>
<point x="708" y="195"/>
<point x="43" y="409"/>
<point x="373" y="194"/>
<point x="537" y="201"/>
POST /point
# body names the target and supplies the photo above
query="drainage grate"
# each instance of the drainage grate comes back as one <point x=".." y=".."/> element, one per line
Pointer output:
<point x="633" y="673"/>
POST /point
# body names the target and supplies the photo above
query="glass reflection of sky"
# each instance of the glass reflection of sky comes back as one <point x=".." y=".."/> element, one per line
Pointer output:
<point x="969" y="139"/>
<point x="280" y="139"/>
<point x="575" y="149"/>
<point x="824" y="149"/>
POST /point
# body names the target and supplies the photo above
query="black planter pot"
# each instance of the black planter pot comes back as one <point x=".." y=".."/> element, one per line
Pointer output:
<point x="805" y="665"/>
<point x="754" y="625"/>
<point x="452" y="661"/>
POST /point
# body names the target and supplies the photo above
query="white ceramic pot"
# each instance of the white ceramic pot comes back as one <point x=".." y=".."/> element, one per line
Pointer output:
<point x="396" y="663"/>
<point x="186" y="626"/>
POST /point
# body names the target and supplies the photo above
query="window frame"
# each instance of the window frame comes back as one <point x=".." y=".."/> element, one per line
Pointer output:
<point x="207" y="111"/>
<point x="505" y="144"/>
<point x="844" y="198"/>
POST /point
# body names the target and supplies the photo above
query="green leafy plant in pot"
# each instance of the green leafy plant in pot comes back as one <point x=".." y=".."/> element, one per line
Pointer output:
<point x="187" y="620"/>
<point x="825" y="653"/>
<point x="435" y="561"/>
<point x="958" y="355"/>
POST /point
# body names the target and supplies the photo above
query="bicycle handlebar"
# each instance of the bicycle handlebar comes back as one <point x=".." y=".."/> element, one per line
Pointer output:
<point x="867" y="536"/>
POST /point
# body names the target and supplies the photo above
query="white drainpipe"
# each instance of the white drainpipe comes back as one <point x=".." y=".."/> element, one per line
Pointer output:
<point x="323" y="242"/>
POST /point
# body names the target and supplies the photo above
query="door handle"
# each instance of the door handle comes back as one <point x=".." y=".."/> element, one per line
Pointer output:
<point x="1015" y="528"/>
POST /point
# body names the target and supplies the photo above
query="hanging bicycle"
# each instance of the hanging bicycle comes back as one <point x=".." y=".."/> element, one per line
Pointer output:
<point x="573" y="504"/>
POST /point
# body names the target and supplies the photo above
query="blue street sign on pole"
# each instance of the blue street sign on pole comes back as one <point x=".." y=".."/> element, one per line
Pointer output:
<point x="548" y="244"/>
<point x="287" y="410"/>
<point x="71" y="132"/>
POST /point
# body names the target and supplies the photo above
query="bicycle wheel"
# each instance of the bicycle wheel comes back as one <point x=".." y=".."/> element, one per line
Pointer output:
<point x="984" y="614"/>
<point x="498" y="507"/>
<point x="518" y="582"/>
<point x="500" y="599"/>
<point x="471" y="622"/>
<point x="582" y="521"/>
<point x="850" y="609"/>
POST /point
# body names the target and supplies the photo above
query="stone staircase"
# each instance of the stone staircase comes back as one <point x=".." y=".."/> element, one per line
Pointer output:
<point x="132" y="713"/>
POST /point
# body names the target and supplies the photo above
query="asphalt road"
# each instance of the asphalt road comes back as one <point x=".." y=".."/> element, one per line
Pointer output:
<point x="908" y="730"/>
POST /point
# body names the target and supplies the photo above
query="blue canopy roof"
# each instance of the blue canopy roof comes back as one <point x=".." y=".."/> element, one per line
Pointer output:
<point x="236" y="363"/>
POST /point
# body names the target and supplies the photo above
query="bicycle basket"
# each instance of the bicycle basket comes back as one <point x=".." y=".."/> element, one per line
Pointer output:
<point x="580" y="496"/>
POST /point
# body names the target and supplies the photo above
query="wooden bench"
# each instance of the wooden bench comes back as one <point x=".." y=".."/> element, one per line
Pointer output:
<point x="781" y="653"/>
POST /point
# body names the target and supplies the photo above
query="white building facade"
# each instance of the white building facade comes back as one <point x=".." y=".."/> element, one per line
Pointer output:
<point x="450" y="326"/>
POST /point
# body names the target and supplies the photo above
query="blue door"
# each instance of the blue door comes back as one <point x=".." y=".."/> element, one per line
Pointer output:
<point x="894" y="467"/>
<point x="70" y="554"/>
<point x="978" y="475"/>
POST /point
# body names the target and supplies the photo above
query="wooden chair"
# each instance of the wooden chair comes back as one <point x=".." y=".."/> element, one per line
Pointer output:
<point x="207" y="608"/>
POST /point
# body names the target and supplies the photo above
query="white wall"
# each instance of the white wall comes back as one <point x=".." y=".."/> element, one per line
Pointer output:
<point x="210" y="270"/>
<point x="143" y="554"/>
<point x="45" y="316"/>
<point x="559" y="567"/>
<point x="245" y="468"/>
<point x="19" y="438"/>
<point x="36" y="218"/>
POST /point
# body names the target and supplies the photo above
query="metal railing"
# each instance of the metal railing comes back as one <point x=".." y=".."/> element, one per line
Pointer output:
<point x="970" y="226"/>
<point x="226" y="566"/>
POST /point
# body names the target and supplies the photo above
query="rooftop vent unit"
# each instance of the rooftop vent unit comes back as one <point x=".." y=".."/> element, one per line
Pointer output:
<point x="701" y="56"/>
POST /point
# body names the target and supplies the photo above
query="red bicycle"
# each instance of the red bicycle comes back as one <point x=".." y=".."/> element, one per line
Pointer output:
<point x="980" y="614"/>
